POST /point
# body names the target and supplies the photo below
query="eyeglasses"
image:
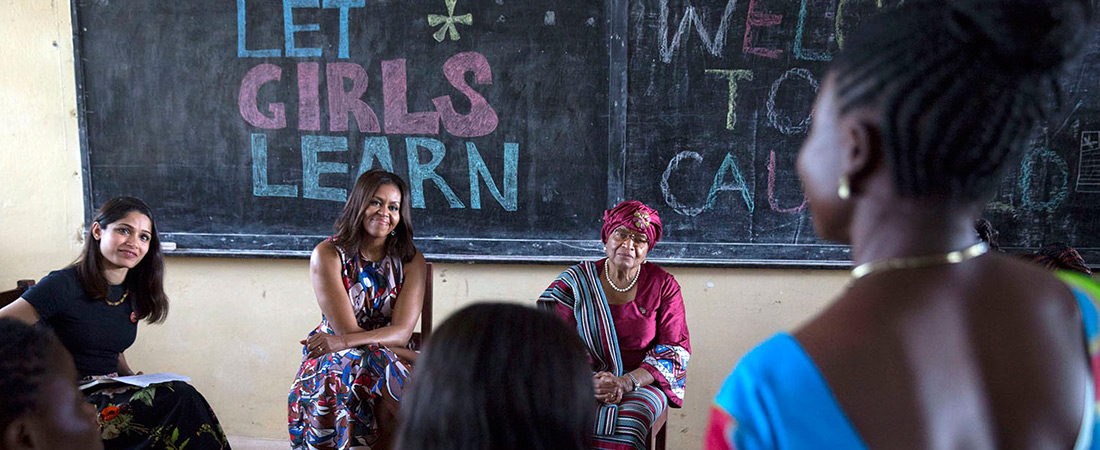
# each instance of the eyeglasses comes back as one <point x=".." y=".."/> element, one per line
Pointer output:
<point x="622" y="234"/>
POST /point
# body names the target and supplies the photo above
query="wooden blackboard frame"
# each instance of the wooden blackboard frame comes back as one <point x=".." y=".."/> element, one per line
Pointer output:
<point x="489" y="250"/>
<point x="435" y="248"/>
<point x="478" y="250"/>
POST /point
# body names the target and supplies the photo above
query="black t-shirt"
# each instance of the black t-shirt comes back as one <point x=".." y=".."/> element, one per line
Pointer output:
<point x="93" y="331"/>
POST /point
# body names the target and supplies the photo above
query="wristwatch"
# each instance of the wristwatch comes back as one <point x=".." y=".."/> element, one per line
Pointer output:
<point x="634" y="380"/>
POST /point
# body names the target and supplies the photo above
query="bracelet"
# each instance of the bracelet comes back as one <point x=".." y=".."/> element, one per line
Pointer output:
<point x="634" y="380"/>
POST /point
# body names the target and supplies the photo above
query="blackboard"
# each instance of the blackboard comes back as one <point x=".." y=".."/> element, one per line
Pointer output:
<point x="516" y="122"/>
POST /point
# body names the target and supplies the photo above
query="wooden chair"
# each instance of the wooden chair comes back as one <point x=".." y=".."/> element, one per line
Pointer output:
<point x="419" y="338"/>
<point x="426" y="311"/>
<point x="21" y="286"/>
<point x="657" y="434"/>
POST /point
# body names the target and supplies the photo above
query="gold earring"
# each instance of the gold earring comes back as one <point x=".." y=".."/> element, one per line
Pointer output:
<point x="843" y="190"/>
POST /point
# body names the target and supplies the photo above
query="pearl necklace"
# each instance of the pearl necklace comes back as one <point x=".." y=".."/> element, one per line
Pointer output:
<point x="914" y="262"/>
<point x="607" y="274"/>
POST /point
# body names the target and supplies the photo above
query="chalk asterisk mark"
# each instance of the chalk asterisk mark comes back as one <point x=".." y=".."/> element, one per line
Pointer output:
<point x="449" y="22"/>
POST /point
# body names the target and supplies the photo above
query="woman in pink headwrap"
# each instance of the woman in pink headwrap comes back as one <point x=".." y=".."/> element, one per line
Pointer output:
<point x="630" y="315"/>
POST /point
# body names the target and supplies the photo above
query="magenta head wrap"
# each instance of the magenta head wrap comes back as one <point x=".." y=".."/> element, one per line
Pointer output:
<point x="633" y="215"/>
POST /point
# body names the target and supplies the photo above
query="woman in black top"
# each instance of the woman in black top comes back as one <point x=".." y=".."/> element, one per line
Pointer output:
<point x="94" y="306"/>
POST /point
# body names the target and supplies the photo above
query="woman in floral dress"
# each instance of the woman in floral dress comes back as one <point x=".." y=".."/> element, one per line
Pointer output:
<point x="369" y="283"/>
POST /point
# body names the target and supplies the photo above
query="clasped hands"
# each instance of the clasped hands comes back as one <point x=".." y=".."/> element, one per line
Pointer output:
<point x="323" y="343"/>
<point x="610" y="388"/>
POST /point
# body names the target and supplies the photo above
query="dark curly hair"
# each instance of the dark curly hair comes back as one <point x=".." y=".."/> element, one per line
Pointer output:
<point x="959" y="85"/>
<point x="25" y="354"/>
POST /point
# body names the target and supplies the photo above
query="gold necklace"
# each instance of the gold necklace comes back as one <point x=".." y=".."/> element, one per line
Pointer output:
<point x="119" y="301"/>
<point x="914" y="262"/>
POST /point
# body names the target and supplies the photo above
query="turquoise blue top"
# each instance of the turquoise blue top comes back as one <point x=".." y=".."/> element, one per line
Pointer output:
<point x="777" y="398"/>
<point x="781" y="400"/>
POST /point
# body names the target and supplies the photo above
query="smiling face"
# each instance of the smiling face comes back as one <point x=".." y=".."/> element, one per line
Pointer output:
<point x="124" y="242"/>
<point x="820" y="167"/>
<point x="626" y="248"/>
<point x="383" y="211"/>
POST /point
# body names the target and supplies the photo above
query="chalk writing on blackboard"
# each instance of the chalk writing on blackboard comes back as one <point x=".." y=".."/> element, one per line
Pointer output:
<point x="346" y="103"/>
<point x="449" y="22"/>
<point x="1088" y="172"/>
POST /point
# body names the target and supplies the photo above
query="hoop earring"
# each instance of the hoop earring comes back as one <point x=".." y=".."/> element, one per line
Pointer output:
<point x="843" y="190"/>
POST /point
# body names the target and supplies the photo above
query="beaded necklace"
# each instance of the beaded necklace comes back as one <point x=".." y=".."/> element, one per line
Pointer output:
<point x="119" y="301"/>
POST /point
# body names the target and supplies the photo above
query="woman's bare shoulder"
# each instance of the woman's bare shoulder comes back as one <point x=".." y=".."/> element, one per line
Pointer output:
<point x="325" y="254"/>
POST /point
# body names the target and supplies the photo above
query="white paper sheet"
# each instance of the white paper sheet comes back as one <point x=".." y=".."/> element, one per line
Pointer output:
<point x="143" y="380"/>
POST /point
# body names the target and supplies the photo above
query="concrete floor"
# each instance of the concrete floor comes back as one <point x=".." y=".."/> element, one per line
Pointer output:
<point x="247" y="443"/>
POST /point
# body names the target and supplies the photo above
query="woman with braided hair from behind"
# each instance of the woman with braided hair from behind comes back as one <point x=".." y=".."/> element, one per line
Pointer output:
<point x="41" y="407"/>
<point x="935" y="342"/>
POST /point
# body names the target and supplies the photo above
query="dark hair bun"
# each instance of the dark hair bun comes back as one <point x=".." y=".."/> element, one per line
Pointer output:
<point x="1029" y="35"/>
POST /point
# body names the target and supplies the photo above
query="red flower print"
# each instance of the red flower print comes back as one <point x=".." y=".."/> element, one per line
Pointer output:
<point x="109" y="413"/>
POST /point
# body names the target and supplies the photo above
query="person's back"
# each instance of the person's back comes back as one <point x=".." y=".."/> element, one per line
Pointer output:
<point x="935" y="343"/>
<point x="954" y="361"/>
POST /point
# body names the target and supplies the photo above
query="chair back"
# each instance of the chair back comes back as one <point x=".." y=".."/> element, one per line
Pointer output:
<point x="426" y="311"/>
<point x="419" y="338"/>
<point x="9" y="296"/>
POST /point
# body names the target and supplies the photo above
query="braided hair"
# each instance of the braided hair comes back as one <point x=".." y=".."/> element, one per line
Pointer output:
<point x="988" y="234"/>
<point x="959" y="86"/>
<point x="25" y="353"/>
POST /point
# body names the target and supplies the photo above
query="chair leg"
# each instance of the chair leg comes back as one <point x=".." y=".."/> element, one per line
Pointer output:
<point x="660" y="444"/>
<point x="657" y="434"/>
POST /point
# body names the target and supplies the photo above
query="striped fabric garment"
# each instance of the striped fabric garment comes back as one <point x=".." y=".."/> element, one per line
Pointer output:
<point x="625" y="425"/>
<point x="636" y="414"/>
<point x="595" y="326"/>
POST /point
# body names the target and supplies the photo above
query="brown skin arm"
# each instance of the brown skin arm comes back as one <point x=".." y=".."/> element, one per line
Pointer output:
<point x="333" y="300"/>
<point x="21" y="310"/>
<point x="124" y="367"/>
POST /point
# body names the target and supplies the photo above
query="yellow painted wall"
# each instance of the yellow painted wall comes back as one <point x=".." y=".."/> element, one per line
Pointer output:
<point x="234" y="323"/>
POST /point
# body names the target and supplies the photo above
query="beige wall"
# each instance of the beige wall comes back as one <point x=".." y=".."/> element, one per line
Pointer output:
<point x="235" y="323"/>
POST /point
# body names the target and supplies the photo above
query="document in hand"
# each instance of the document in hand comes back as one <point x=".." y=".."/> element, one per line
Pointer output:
<point x="137" y="380"/>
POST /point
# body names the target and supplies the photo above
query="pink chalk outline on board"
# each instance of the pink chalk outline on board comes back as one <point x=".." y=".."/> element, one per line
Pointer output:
<point x="448" y="22"/>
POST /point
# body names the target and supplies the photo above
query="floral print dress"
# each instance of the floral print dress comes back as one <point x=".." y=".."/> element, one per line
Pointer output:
<point x="172" y="416"/>
<point x="349" y="399"/>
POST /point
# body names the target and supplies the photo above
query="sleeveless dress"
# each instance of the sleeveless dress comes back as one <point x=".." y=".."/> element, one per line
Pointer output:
<point x="346" y="399"/>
